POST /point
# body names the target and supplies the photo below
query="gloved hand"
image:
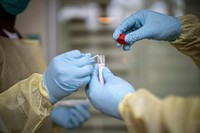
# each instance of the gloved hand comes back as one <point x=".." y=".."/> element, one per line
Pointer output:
<point x="70" y="117"/>
<point x="150" y="25"/>
<point x="107" y="97"/>
<point x="66" y="73"/>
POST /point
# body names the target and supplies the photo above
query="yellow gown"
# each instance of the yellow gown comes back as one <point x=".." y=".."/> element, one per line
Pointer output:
<point x="145" y="113"/>
<point x="24" y="102"/>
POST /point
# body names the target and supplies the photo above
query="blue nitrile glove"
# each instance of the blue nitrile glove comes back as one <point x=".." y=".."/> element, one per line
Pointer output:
<point x="150" y="25"/>
<point x="70" y="117"/>
<point x="107" y="97"/>
<point x="66" y="73"/>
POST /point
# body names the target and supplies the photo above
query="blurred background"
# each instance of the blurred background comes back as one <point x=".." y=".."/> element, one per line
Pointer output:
<point x="87" y="25"/>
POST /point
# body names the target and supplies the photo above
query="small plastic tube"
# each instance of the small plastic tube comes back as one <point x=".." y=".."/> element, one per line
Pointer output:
<point x="101" y="62"/>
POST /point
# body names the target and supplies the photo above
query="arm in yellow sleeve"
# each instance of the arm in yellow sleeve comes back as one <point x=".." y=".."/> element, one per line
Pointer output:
<point x="189" y="39"/>
<point x="25" y="107"/>
<point x="145" y="113"/>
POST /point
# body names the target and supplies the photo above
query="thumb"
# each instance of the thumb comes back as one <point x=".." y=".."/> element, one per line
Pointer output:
<point x="107" y="74"/>
<point x="93" y="82"/>
<point x="137" y="35"/>
<point x="94" y="79"/>
<point x="86" y="104"/>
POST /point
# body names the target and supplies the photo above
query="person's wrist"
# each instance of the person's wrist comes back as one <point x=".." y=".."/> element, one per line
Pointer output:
<point x="178" y="30"/>
<point x="46" y="102"/>
<point x="51" y="98"/>
<point x="43" y="89"/>
<point x="123" y="96"/>
<point x="123" y="103"/>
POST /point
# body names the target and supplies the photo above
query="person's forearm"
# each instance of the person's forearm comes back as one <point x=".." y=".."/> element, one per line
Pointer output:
<point x="189" y="39"/>
<point x="23" y="107"/>
<point x="143" y="112"/>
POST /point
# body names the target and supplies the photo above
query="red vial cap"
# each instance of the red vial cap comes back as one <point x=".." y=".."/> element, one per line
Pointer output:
<point x="120" y="39"/>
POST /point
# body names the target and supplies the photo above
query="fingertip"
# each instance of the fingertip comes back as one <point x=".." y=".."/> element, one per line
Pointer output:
<point x="86" y="105"/>
<point x="126" y="47"/>
<point x="89" y="58"/>
<point x="86" y="102"/>
<point x="96" y="67"/>
<point x="83" y="110"/>
<point x="106" y="69"/>
<point x="116" y="34"/>
<point x="129" y="38"/>
<point x="87" y="54"/>
<point x="74" y="120"/>
<point x="91" y="61"/>
<point x="107" y="73"/>
<point x="118" y="45"/>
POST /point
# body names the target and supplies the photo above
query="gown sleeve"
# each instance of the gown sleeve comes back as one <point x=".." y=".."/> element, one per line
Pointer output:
<point x="189" y="39"/>
<point x="25" y="107"/>
<point x="145" y="113"/>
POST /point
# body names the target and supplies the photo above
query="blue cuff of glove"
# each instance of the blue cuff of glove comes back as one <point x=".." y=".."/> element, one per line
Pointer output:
<point x="179" y="28"/>
<point x="52" y="99"/>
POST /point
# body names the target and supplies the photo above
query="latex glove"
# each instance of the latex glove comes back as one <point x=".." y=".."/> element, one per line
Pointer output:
<point x="106" y="97"/>
<point x="70" y="117"/>
<point x="150" y="25"/>
<point x="66" y="73"/>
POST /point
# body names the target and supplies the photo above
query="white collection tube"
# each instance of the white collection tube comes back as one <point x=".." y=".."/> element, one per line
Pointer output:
<point x="101" y="62"/>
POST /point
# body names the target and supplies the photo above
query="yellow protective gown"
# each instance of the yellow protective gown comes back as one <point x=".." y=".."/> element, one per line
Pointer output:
<point x="24" y="102"/>
<point x="145" y="113"/>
